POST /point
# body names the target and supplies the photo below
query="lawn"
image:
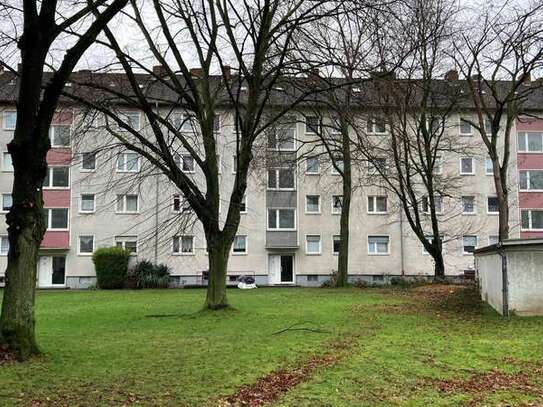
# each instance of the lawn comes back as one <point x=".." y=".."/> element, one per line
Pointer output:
<point x="395" y="347"/>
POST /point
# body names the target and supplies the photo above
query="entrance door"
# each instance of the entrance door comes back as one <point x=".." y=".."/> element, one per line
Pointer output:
<point x="281" y="269"/>
<point x="51" y="271"/>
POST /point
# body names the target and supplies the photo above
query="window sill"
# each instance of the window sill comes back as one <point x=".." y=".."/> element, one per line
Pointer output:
<point x="85" y="254"/>
<point x="87" y="212"/>
<point x="378" y="254"/>
<point x="55" y="188"/>
<point x="281" y="230"/>
<point x="531" y="190"/>
<point x="377" y="213"/>
<point x="282" y="189"/>
<point x="126" y="213"/>
<point x="312" y="173"/>
<point x="239" y="254"/>
<point x="4" y="170"/>
<point x="471" y="174"/>
<point x="60" y="147"/>
<point x="127" y="172"/>
<point x="493" y="213"/>
<point x="469" y="214"/>
<point x="183" y="254"/>
<point x="57" y="230"/>
<point x="313" y="213"/>
<point x="313" y="254"/>
<point x="84" y="170"/>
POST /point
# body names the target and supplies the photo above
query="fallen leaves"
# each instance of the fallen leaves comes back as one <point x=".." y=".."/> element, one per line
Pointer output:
<point x="6" y="356"/>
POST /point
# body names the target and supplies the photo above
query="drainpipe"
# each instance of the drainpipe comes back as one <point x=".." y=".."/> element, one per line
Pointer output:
<point x="156" y="204"/>
<point x="401" y="242"/>
<point x="505" y="280"/>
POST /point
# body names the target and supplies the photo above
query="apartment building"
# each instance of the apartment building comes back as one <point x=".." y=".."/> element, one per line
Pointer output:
<point x="289" y="232"/>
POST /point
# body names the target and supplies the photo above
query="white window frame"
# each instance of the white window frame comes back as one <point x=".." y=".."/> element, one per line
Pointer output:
<point x="307" y="128"/>
<point x="79" y="252"/>
<point x="377" y="253"/>
<point x="464" y="253"/>
<point x="124" y="239"/>
<point x="180" y="163"/>
<point x="487" y="206"/>
<point x="529" y="210"/>
<point x="333" y="169"/>
<point x="81" y="203"/>
<point x="491" y="173"/>
<point x="438" y="165"/>
<point x="371" y="126"/>
<point x="294" y="136"/>
<point x="244" y="200"/>
<point x="472" y="165"/>
<point x="50" y="219"/>
<point x="277" y="187"/>
<point x="474" y="205"/>
<point x="234" y="164"/>
<point x="372" y="169"/>
<point x="4" y="119"/>
<point x="124" y="211"/>
<point x="124" y="169"/>
<point x="180" y="252"/>
<point x="278" y="228"/>
<point x="2" y="237"/>
<point x="246" y="251"/>
<point x="374" y="199"/>
<point x="50" y="171"/>
<point x="318" y="212"/>
<point x="52" y="135"/>
<point x="528" y="180"/>
<point x="334" y="211"/>
<point x="333" y="240"/>
<point x="4" y="169"/>
<point x="2" y="201"/>
<point x="431" y="237"/>
<point x="316" y="157"/>
<point x="525" y="136"/>
<point x="81" y="169"/>
<point x="490" y="241"/>
<point x="307" y="252"/>
<point x="428" y="211"/>
<point x="125" y="114"/>
<point x="460" y="121"/>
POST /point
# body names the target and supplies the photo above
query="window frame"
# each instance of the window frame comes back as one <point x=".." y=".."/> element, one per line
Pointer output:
<point x="82" y="169"/>
<point x="124" y="211"/>
<point x="491" y="173"/>
<point x="53" y="132"/>
<point x="374" y="199"/>
<point x="333" y="241"/>
<point x="246" y="251"/>
<point x="4" y="169"/>
<point x="474" y="212"/>
<point x="3" y="194"/>
<point x="371" y="126"/>
<point x="277" y="181"/>
<point x="462" y="134"/>
<point x="181" y="252"/>
<point x="124" y="169"/>
<point x="426" y="201"/>
<point x="306" y="127"/>
<point x="526" y="149"/>
<point x="377" y="253"/>
<point x="125" y="114"/>
<point x="180" y="162"/>
<point x="123" y="240"/>
<point x="334" y="212"/>
<point x="79" y="252"/>
<point x="50" y="219"/>
<point x="464" y="253"/>
<point x="51" y="171"/>
<point x="277" y="219"/>
<point x="307" y="172"/>
<point x="528" y="176"/>
<point x="530" y="223"/>
<point x="2" y="237"/>
<point x="487" y="206"/>
<point x="307" y="252"/>
<point x="5" y="113"/>
<point x="278" y="142"/>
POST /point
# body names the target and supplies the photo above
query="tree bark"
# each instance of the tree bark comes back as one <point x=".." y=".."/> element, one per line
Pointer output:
<point x="218" y="253"/>
<point x="343" y="256"/>
<point x="503" y="202"/>
<point x="439" y="266"/>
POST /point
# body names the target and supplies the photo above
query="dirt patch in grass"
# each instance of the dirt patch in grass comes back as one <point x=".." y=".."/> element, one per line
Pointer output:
<point x="6" y="356"/>
<point x="272" y="386"/>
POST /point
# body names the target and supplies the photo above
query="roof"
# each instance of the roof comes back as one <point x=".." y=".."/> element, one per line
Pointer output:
<point x="511" y="243"/>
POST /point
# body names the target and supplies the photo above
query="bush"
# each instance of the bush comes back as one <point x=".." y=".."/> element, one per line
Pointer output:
<point x="111" y="266"/>
<point x="147" y="275"/>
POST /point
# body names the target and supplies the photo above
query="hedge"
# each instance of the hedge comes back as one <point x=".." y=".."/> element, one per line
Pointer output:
<point x="111" y="266"/>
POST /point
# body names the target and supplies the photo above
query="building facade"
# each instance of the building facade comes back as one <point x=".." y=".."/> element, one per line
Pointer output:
<point x="98" y="196"/>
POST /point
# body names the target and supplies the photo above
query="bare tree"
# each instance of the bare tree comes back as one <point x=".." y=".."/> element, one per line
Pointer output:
<point x="38" y="96"/>
<point x="498" y="57"/>
<point x="256" y="39"/>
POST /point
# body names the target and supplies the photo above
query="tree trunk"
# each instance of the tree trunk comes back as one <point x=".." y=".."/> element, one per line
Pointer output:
<point x="439" y="266"/>
<point x="503" y="216"/>
<point x="343" y="256"/>
<point x="26" y="228"/>
<point x="218" y="252"/>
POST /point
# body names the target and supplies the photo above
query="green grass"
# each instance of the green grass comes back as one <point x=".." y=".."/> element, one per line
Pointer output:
<point x="112" y="347"/>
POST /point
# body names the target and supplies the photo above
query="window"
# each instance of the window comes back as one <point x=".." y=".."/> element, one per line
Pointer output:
<point x="377" y="166"/>
<point x="377" y="204"/>
<point x="283" y="136"/>
<point x="128" y="162"/>
<point x="438" y="165"/>
<point x="489" y="168"/>
<point x="531" y="180"/>
<point x="530" y="142"/>
<point x="7" y="202"/>
<point x="178" y="203"/>
<point x="434" y="124"/>
<point x="532" y="219"/>
<point x="438" y="204"/>
<point x="4" y="245"/>
<point x="337" y="162"/>
<point x="86" y="244"/>
<point x="469" y="243"/>
<point x="467" y="166"/>
<point x="336" y="244"/>
<point x="87" y="203"/>
<point x="10" y="120"/>
<point x="88" y="161"/>
<point x="312" y="277"/>
<point x="378" y="245"/>
<point x="335" y="125"/>
<point x="57" y="177"/>
<point x="312" y="204"/>
<point x="337" y="203"/>
<point x="127" y="203"/>
<point x="129" y="243"/>
<point x="312" y="124"/>
<point x="281" y="178"/>
<point x="240" y="245"/>
<point x="183" y="122"/>
<point x="493" y="239"/>
<point x="132" y="119"/>
<point x="465" y="128"/>
<point x="468" y="205"/>
<point x="59" y="134"/>
<point x="217" y="123"/>
<point x="281" y="219"/>
<point x="7" y="164"/>
<point x="376" y="125"/>
<point x="243" y="205"/>
<point x="185" y="162"/>
<point x="430" y="239"/>
<point x="488" y="125"/>
<point x="56" y="218"/>
<point x="312" y="165"/>
<point x="234" y="164"/>
<point x="313" y="244"/>
<point x="492" y="205"/>
<point x="183" y="244"/>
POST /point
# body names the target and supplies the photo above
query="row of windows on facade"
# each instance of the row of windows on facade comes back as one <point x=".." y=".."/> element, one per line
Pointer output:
<point x="184" y="244"/>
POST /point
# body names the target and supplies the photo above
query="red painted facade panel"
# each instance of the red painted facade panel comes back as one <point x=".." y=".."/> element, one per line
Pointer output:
<point x="530" y="161"/>
<point x="530" y="124"/>
<point x="59" y="156"/>
<point x="56" y="240"/>
<point x="530" y="235"/>
<point x="54" y="198"/>
<point x="63" y="117"/>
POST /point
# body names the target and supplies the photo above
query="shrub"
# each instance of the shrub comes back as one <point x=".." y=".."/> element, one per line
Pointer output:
<point x="147" y="275"/>
<point x="111" y="265"/>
